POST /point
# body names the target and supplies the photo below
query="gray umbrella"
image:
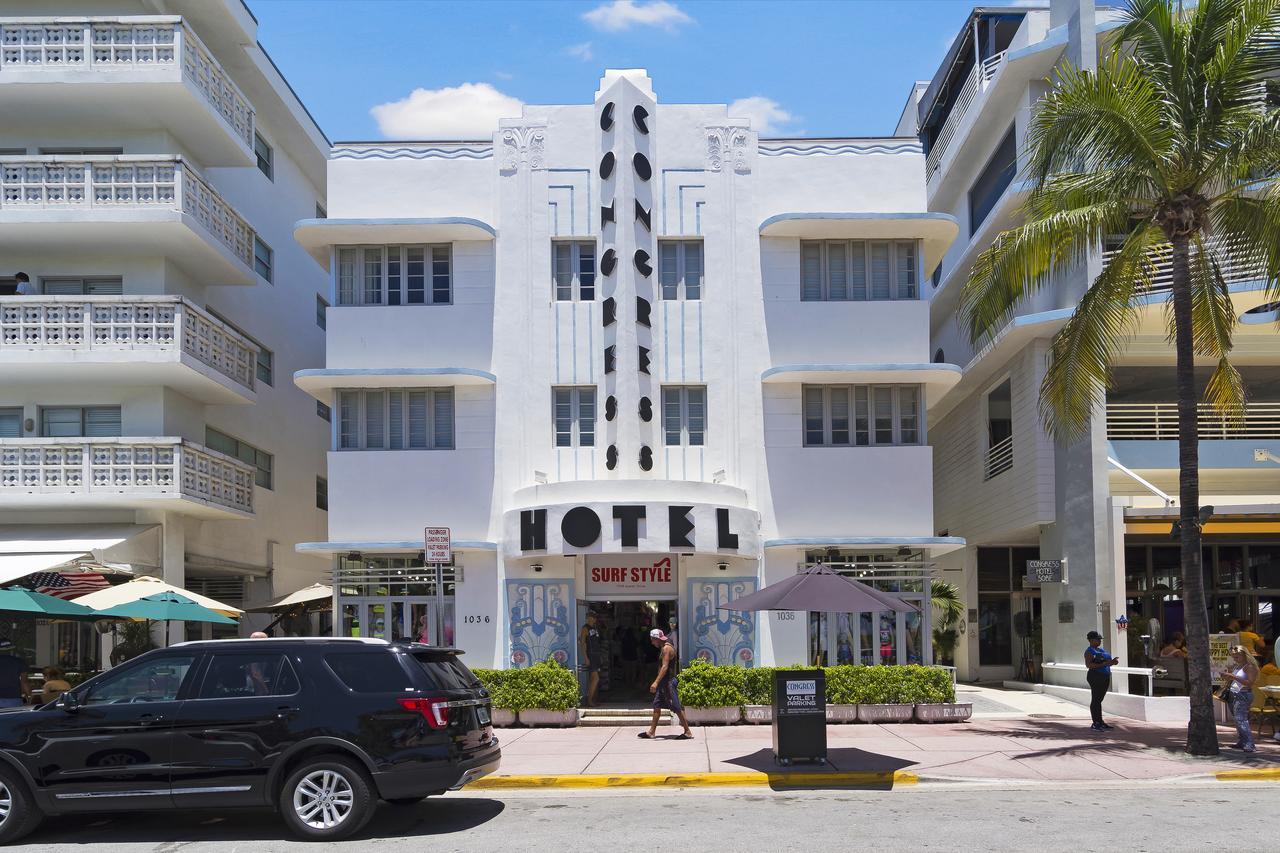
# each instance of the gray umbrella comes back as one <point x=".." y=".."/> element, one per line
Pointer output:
<point x="820" y="590"/>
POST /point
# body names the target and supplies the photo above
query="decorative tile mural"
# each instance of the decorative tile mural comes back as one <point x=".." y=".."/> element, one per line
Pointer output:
<point x="540" y="622"/>
<point x="720" y="636"/>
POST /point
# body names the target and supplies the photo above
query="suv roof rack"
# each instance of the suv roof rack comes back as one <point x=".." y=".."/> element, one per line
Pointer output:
<point x="375" y="641"/>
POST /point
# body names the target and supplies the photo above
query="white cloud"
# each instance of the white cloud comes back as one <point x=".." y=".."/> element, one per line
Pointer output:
<point x="581" y="51"/>
<point x="624" y="14"/>
<point x="767" y="115"/>
<point x="467" y="111"/>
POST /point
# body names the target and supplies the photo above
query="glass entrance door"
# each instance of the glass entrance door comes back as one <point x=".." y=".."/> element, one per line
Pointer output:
<point x="389" y="619"/>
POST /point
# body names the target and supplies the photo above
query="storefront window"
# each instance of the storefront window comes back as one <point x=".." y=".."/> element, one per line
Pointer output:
<point x="872" y="638"/>
<point x="392" y="597"/>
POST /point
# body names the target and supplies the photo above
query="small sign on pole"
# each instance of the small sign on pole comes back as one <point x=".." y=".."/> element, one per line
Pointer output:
<point x="438" y="552"/>
<point x="1045" y="571"/>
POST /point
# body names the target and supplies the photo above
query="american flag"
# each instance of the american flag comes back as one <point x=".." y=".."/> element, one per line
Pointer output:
<point x="68" y="586"/>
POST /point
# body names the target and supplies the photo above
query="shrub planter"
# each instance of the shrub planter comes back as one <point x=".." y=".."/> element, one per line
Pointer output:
<point x="757" y="713"/>
<point x="944" y="712"/>
<point x="503" y="717"/>
<point x="842" y="713"/>
<point x="540" y="717"/>
<point x="712" y="716"/>
<point x="886" y="713"/>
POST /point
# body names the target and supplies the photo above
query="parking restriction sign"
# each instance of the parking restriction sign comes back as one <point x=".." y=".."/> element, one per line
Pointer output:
<point x="439" y="547"/>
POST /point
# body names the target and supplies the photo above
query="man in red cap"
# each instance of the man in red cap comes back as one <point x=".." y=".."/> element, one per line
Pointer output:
<point x="665" y="688"/>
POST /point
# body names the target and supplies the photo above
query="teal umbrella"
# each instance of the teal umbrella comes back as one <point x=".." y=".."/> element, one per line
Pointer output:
<point x="166" y="607"/>
<point x="19" y="600"/>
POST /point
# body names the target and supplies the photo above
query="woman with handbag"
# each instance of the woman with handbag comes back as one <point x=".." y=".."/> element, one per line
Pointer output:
<point x="1239" y="677"/>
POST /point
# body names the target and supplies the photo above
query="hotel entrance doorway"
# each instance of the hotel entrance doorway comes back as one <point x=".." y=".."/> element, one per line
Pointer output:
<point x="629" y="660"/>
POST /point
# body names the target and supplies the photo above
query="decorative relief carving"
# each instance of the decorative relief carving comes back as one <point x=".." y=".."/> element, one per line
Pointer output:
<point x="729" y="146"/>
<point x="523" y="146"/>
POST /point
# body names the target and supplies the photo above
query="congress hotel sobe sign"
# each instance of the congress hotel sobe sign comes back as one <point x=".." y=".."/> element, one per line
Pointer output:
<point x="603" y="528"/>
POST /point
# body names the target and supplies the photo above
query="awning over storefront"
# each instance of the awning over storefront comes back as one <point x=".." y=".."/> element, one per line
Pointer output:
<point x="932" y="546"/>
<point x="1237" y="520"/>
<point x="29" y="548"/>
<point x="328" y="549"/>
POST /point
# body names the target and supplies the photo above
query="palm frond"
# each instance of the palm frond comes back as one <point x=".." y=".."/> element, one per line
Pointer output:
<point x="1250" y="226"/>
<point x="1213" y="319"/>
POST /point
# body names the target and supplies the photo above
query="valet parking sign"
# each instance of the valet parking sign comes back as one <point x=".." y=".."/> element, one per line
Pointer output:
<point x="635" y="577"/>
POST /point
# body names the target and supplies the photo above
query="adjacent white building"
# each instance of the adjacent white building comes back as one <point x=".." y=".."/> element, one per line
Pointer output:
<point x="1000" y="482"/>
<point x="152" y="163"/>
<point x="639" y="360"/>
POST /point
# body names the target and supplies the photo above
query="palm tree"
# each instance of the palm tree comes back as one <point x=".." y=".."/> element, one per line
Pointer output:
<point x="1168" y="148"/>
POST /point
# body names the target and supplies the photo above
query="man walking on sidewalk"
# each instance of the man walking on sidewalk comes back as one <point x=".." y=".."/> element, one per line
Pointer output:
<point x="1099" y="662"/>
<point x="665" y="688"/>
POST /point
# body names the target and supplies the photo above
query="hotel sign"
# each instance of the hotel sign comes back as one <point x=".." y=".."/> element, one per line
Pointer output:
<point x="1045" y="571"/>
<point x="631" y="576"/>
<point x="641" y="528"/>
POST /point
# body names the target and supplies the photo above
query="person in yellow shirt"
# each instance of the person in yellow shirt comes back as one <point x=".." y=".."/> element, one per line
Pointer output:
<point x="54" y="684"/>
<point x="1250" y="640"/>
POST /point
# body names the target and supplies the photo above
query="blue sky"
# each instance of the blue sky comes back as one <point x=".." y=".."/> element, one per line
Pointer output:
<point x="447" y="69"/>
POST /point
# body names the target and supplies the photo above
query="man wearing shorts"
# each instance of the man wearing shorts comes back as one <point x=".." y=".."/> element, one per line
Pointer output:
<point x="593" y="653"/>
<point x="665" y="688"/>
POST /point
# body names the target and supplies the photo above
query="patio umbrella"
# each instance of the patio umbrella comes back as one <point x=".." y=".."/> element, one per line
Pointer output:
<point x="167" y="607"/>
<point x="105" y="599"/>
<point x="18" y="600"/>
<point x="820" y="590"/>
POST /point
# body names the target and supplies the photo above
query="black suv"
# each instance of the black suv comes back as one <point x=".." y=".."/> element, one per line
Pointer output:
<point x="317" y="728"/>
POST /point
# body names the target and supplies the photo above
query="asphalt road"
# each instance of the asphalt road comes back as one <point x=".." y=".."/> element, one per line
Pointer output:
<point x="1132" y="817"/>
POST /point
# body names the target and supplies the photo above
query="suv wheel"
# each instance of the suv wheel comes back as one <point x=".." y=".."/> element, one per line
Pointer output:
<point x="326" y="799"/>
<point x="19" y="814"/>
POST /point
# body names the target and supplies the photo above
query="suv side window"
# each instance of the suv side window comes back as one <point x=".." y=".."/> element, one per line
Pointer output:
<point x="158" y="680"/>
<point x="234" y="676"/>
<point x="369" y="672"/>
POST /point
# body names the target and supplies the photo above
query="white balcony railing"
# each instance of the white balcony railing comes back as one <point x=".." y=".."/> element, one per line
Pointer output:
<point x="999" y="459"/>
<point x="122" y="182"/>
<point x="978" y="81"/>
<point x="114" y="323"/>
<point x="1159" y="422"/>
<point x="145" y="468"/>
<point x="109" y="44"/>
<point x="1233" y="269"/>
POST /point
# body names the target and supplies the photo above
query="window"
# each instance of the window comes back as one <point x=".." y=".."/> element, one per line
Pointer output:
<point x="574" y="271"/>
<point x="839" y="270"/>
<point x="369" y="672"/>
<point x="81" y="286"/>
<point x="684" y="415"/>
<point x="321" y="319"/>
<point x="89" y="421"/>
<point x="157" y="680"/>
<point x="446" y="671"/>
<point x="575" y="416"/>
<point x="681" y="268"/>
<point x="395" y="275"/>
<point x="264" y="154"/>
<point x="263" y="258"/>
<point x="395" y="420"/>
<point x="321" y="213"/>
<point x="242" y="676"/>
<point x="322" y="493"/>
<point x="324" y="412"/>
<point x="11" y="422"/>
<point x="245" y="452"/>
<point x="266" y="361"/>
<point x="861" y="415"/>
<point x="993" y="181"/>
<point x="999" y="430"/>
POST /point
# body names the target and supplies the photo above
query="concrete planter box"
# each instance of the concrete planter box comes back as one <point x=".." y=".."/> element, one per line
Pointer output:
<point x="886" y="713"/>
<point x="503" y="717"/>
<point x="842" y="713"/>
<point x="539" y="717"/>
<point x="722" y="716"/>
<point x="762" y="714"/>
<point x="944" y="712"/>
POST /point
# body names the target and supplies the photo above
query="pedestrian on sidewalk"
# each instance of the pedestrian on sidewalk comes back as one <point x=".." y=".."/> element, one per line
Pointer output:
<point x="593" y="652"/>
<point x="1239" y="677"/>
<point x="1099" y="662"/>
<point x="665" y="688"/>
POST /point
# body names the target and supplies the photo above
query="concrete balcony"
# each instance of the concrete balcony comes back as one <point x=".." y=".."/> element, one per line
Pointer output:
<point x="125" y="72"/>
<point x="125" y="340"/>
<point x="124" y="473"/>
<point x="111" y="206"/>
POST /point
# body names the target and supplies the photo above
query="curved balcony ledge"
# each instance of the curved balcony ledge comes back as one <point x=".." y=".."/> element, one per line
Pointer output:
<point x="573" y="492"/>
<point x="935" y="230"/>
<point x="937" y="379"/>
<point x="933" y="546"/>
<point x="317" y="236"/>
<point x="319" y="382"/>
<point x="330" y="549"/>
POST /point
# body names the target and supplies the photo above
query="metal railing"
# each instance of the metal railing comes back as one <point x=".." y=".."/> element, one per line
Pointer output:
<point x="109" y="44"/>
<point x="1159" y="422"/>
<point x="122" y="182"/>
<point x="978" y="81"/>
<point x="1145" y="671"/>
<point x="142" y="467"/>
<point x="114" y="323"/>
<point x="1234" y="270"/>
<point x="999" y="459"/>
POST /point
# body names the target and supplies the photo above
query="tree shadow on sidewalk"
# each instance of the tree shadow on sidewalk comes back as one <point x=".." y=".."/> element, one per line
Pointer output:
<point x="1128" y="737"/>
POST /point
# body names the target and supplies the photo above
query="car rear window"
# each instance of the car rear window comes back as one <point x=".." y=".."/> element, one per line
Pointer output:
<point x="369" y="672"/>
<point x="446" y="671"/>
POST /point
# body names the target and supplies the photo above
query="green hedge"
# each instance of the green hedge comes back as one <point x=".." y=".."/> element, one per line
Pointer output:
<point x="546" y="686"/>
<point x="704" y="686"/>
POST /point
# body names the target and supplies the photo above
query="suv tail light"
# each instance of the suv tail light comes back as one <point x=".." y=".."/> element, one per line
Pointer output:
<point x="434" y="711"/>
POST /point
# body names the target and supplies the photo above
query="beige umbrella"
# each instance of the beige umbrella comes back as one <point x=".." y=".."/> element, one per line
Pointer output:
<point x="318" y="596"/>
<point x="141" y="587"/>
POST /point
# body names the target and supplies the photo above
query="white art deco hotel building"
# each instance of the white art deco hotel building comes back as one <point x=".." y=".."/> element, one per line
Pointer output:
<point x="629" y="335"/>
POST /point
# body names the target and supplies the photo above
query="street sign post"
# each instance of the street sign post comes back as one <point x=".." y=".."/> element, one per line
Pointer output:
<point x="438" y="552"/>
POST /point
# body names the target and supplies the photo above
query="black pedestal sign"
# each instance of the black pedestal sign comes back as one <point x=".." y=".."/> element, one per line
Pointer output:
<point x="799" y="715"/>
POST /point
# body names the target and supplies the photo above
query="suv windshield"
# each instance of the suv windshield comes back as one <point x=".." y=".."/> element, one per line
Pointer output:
<point x="446" y="671"/>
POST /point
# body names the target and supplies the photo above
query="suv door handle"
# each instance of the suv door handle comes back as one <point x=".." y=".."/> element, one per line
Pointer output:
<point x="150" y="719"/>
<point x="285" y="711"/>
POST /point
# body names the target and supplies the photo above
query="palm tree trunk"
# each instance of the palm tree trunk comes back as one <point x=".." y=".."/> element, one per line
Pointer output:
<point x="1202" y="733"/>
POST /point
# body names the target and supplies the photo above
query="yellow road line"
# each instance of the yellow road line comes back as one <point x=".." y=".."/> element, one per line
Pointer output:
<point x="696" y="780"/>
<point x="1250" y="775"/>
